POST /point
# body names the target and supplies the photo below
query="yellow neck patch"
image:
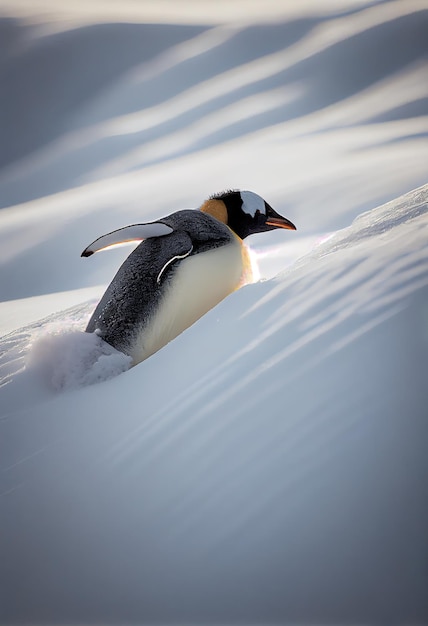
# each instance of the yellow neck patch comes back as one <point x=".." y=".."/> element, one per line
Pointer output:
<point x="216" y="208"/>
<point x="249" y="264"/>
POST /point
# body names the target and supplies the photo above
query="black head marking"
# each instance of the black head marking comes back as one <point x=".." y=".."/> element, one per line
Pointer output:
<point x="248" y="213"/>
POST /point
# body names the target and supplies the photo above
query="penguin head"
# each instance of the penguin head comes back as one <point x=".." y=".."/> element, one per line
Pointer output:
<point x="244" y="212"/>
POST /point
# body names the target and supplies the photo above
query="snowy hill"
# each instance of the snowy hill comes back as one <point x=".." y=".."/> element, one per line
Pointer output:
<point x="268" y="465"/>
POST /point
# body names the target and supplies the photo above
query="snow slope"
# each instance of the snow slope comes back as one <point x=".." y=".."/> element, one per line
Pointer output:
<point x="269" y="465"/>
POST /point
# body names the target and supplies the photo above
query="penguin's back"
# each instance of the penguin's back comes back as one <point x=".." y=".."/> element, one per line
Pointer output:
<point x="134" y="294"/>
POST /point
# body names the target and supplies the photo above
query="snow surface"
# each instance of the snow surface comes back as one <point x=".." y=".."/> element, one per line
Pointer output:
<point x="268" y="465"/>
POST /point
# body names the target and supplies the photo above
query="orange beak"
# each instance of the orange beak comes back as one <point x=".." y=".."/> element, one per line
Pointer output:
<point x="280" y="222"/>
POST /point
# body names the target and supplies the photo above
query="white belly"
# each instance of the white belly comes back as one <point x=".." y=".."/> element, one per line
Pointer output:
<point x="200" y="282"/>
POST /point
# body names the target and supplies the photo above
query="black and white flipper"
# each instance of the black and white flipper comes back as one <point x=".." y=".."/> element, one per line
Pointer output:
<point x="128" y="234"/>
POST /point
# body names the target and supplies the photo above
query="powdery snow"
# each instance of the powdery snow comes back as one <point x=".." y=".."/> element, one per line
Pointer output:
<point x="68" y="360"/>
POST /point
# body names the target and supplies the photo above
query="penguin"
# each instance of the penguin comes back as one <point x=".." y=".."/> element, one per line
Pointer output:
<point x="185" y="264"/>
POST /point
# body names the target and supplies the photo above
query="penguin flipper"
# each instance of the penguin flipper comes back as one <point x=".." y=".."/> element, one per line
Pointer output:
<point x="135" y="232"/>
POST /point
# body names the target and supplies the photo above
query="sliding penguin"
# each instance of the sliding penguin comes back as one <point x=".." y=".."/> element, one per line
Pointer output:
<point x="186" y="264"/>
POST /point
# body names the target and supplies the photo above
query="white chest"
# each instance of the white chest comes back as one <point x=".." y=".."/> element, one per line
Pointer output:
<point x="199" y="283"/>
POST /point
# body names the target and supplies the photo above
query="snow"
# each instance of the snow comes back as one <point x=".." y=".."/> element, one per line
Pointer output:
<point x="68" y="360"/>
<point x="269" y="464"/>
